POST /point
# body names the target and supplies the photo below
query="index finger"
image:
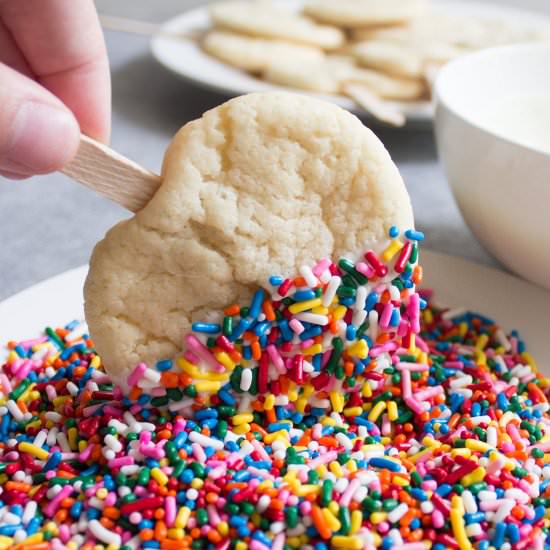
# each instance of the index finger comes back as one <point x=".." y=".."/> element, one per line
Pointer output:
<point x="64" y="47"/>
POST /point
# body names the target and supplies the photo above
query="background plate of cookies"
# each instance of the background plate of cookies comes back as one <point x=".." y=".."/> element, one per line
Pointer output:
<point x="374" y="56"/>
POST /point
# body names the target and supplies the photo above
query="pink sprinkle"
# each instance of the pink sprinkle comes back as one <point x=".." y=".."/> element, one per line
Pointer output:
<point x="198" y="453"/>
<point x="347" y="495"/>
<point x="428" y="393"/>
<point x="365" y="270"/>
<point x="306" y="343"/>
<point x="321" y="267"/>
<point x="276" y="358"/>
<point x="192" y="357"/>
<point x="203" y="352"/>
<point x="406" y="387"/>
<point x="122" y="461"/>
<point x="170" y="511"/>
<point x="137" y="374"/>
<point x="386" y="316"/>
<point x="296" y="326"/>
<point x="413" y="367"/>
<point x="414" y="405"/>
<point x="438" y="520"/>
<point x="51" y="508"/>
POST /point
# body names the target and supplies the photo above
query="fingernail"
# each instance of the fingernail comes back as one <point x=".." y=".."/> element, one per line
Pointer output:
<point x="43" y="138"/>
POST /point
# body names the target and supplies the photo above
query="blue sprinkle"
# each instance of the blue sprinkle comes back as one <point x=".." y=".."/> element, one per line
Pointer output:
<point x="256" y="305"/>
<point x="414" y="235"/>
<point x="275" y="280"/>
<point x="53" y="461"/>
<point x="303" y="295"/>
<point x="351" y="331"/>
<point x="240" y="329"/>
<point x="393" y="232"/>
<point x="371" y="301"/>
<point x="498" y="537"/>
<point x="207" y="328"/>
<point x="163" y="365"/>
<point x="513" y="533"/>
<point x="379" y="462"/>
<point x="226" y="397"/>
<point x="206" y="413"/>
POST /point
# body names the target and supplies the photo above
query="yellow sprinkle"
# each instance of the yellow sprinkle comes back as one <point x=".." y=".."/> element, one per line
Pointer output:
<point x="412" y="345"/>
<point x="466" y="453"/>
<point x="476" y="445"/>
<point x="415" y="457"/>
<point x="482" y="342"/>
<point x="241" y="545"/>
<point x="392" y="249"/>
<point x="95" y="362"/>
<point x="337" y="401"/>
<point x="352" y="543"/>
<point x="331" y="520"/>
<point x="459" y="530"/>
<point x="33" y="450"/>
<point x="353" y="411"/>
<point x="308" y="489"/>
<point x="71" y="545"/>
<point x="356" y="521"/>
<point x="320" y="310"/>
<point x="197" y="374"/>
<point x="359" y="349"/>
<point x="223" y="528"/>
<point x="476" y="476"/>
<point x="281" y="434"/>
<point x="294" y="542"/>
<point x="301" y="404"/>
<point x="328" y="421"/>
<point x="378" y="517"/>
<point x="182" y="518"/>
<point x="457" y="503"/>
<point x="34" y="539"/>
<point x="269" y="402"/>
<point x="333" y="507"/>
<point x="298" y="307"/>
<point x="102" y="493"/>
<point x="339" y="312"/>
<point x="376" y="411"/>
<point x="366" y="391"/>
<point x="208" y="386"/>
<point x="530" y="360"/>
<point x="392" y="411"/>
<point x="351" y="465"/>
<point x="463" y="329"/>
<point x="242" y="418"/>
<point x="313" y="350"/>
<point x="175" y="534"/>
<point x="422" y="357"/>
<point x="159" y="476"/>
<point x="428" y="316"/>
<point x="336" y="469"/>
<point x="400" y="480"/>
<point x="430" y="442"/>
<point x="225" y="360"/>
<point x="242" y="428"/>
<point x="72" y="437"/>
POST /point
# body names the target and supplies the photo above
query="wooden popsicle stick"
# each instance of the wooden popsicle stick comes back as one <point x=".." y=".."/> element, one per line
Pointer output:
<point x="112" y="175"/>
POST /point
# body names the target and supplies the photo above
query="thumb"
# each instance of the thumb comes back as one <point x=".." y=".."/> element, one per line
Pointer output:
<point x="38" y="134"/>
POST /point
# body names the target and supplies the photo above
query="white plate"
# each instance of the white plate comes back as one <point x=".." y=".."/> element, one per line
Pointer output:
<point x="511" y="302"/>
<point x="185" y="58"/>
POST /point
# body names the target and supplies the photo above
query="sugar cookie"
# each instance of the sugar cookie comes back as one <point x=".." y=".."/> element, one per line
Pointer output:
<point x="259" y="185"/>
<point x="267" y="20"/>
<point x="363" y="13"/>
<point x="254" y="54"/>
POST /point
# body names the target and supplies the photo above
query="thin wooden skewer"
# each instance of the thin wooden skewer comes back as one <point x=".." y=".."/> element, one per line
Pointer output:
<point x="112" y="175"/>
<point x="144" y="28"/>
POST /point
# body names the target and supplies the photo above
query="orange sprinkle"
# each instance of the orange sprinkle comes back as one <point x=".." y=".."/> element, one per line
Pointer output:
<point x="320" y="524"/>
<point x="268" y="310"/>
<point x="233" y="309"/>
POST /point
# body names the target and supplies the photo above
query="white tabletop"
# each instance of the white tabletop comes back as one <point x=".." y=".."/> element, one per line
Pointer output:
<point x="50" y="224"/>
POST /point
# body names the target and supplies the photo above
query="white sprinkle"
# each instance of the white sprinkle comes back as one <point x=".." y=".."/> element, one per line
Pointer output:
<point x="325" y="276"/>
<point x="52" y="437"/>
<point x="277" y="527"/>
<point x="73" y="388"/>
<point x="205" y="441"/>
<point x="307" y="274"/>
<point x="152" y="375"/>
<point x="15" y="410"/>
<point x="469" y="502"/>
<point x="11" y="519"/>
<point x="246" y="379"/>
<point x="473" y="529"/>
<point x="517" y="494"/>
<point x="504" y="509"/>
<point x="487" y="495"/>
<point x="359" y="317"/>
<point x="29" y="513"/>
<point x="397" y="513"/>
<point x="313" y="318"/>
<point x="63" y="443"/>
<point x="360" y="298"/>
<point x="461" y="381"/>
<point x="53" y="416"/>
<point x="263" y="503"/>
<point x="40" y="438"/>
<point x="103" y="534"/>
<point x="482" y="419"/>
<point x="113" y="443"/>
<point x="492" y="437"/>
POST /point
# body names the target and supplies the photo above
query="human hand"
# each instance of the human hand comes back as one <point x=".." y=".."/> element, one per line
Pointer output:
<point x="54" y="83"/>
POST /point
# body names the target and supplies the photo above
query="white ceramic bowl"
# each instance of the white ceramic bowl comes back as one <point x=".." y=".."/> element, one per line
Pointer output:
<point x="488" y="105"/>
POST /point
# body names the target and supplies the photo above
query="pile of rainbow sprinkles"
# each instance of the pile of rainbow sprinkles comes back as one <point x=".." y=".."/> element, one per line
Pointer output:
<point x="339" y="409"/>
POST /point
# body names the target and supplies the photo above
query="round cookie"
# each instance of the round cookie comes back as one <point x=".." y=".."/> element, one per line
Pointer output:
<point x="267" y="20"/>
<point x="363" y="13"/>
<point x="259" y="185"/>
<point x="255" y="54"/>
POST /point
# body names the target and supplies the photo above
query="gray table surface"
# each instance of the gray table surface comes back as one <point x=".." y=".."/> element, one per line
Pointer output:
<point x="49" y="224"/>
